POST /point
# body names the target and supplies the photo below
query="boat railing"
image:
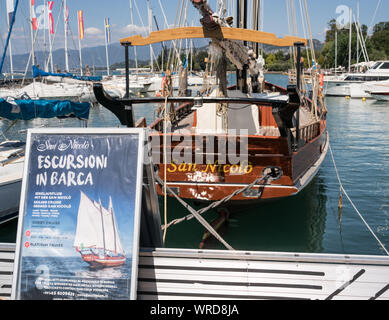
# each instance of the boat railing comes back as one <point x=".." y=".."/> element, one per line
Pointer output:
<point x="141" y="123"/>
<point x="310" y="131"/>
<point x="183" y="110"/>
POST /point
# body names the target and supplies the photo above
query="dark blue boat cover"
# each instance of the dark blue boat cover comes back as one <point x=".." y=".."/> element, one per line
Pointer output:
<point x="36" y="72"/>
<point x="31" y="109"/>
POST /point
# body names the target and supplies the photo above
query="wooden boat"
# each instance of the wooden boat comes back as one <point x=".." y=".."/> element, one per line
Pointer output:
<point x="280" y="132"/>
<point x="97" y="239"/>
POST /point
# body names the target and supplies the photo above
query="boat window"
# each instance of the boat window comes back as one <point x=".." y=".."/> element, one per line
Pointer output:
<point x="383" y="78"/>
<point x="376" y="65"/>
<point x="354" y="78"/>
<point x="385" y="66"/>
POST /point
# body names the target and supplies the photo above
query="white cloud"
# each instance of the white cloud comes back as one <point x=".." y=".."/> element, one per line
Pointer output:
<point x="133" y="29"/>
<point x="93" y="31"/>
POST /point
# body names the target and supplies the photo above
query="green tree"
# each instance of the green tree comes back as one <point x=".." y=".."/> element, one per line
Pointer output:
<point x="271" y="59"/>
<point x="380" y="39"/>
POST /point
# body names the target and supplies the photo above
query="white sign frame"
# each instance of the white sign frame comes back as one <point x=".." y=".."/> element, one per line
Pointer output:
<point x="138" y="196"/>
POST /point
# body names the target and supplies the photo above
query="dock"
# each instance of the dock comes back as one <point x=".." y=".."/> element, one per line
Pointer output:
<point x="181" y="274"/>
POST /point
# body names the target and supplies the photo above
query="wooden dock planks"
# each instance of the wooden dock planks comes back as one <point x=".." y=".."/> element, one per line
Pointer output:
<point x="212" y="274"/>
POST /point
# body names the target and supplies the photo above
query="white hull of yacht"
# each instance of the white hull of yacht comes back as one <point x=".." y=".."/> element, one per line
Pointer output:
<point x="9" y="200"/>
<point x="55" y="91"/>
<point x="10" y="188"/>
<point x="337" y="89"/>
<point x="380" y="96"/>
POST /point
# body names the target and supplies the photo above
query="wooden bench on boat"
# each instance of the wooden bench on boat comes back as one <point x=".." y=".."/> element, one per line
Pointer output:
<point x="213" y="274"/>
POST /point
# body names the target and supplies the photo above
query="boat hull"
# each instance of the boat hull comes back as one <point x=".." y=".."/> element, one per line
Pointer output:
<point x="96" y="261"/>
<point x="10" y="188"/>
<point x="215" y="182"/>
<point x="380" y="96"/>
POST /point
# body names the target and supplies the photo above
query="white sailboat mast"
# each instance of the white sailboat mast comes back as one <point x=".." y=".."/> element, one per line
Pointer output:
<point x="357" y="32"/>
<point x="79" y="48"/>
<point x="349" y="45"/>
<point x="66" y="21"/>
<point x="47" y="23"/>
<point x="10" y="42"/>
<point x="32" y="34"/>
<point x="132" y="23"/>
<point x="336" y="50"/>
<point x="150" y="30"/>
<point x="102" y="224"/>
<point x="106" y="26"/>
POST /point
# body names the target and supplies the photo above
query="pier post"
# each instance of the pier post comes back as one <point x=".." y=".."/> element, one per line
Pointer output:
<point x="127" y="71"/>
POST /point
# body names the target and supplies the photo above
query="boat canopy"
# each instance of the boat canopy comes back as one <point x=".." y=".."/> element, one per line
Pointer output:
<point x="36" y="72"/>
<point x="31" y="109"/>
<point x="218" y="33"/>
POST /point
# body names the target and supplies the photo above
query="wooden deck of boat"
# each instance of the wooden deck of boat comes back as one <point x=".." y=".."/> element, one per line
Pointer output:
<point x="186" y="123"/>
<point x="211" y="274"/>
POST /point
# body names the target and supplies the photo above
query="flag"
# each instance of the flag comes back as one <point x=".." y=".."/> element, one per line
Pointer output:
<point x="107" y="30"/>
<point x="34" y="20"/>
<point x="50" y="14"/>
<point x="66" y="18"/>
<point x="81" y="24"/>
<point x="10" y="10"/>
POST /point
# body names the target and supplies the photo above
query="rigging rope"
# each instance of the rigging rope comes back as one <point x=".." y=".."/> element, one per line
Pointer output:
<point x="274" y="174"/>
<point x="353" y="205"/>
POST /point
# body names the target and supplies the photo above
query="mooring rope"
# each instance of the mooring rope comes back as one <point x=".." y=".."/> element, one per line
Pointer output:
<point x="352" y="203"/>
<point x="165" y="123"/>
<point x="274" y="174"/>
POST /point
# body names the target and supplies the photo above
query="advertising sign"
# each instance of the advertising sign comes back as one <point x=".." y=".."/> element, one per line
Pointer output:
<point x="79" y="219"/>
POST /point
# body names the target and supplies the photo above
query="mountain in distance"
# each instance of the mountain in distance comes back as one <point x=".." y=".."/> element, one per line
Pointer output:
<point x="91" y="56"/>
<point x="96" y="56"/>
<point x="317" y="44"/>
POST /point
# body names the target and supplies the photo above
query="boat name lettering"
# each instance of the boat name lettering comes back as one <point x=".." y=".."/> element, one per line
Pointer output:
<point x="243" y="168"/>
<point x="72" y="144"/>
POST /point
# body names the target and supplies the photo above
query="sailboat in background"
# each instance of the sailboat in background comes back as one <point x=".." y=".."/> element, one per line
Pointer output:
<point x="97" y="238"/>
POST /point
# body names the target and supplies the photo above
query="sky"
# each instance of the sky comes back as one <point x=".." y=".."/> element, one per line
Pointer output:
<point x="118" y="11"/>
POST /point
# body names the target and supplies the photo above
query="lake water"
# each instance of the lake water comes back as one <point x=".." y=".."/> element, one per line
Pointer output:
<point x="308" y="222"/>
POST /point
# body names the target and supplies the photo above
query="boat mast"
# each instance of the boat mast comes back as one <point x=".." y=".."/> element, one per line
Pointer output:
<point x="336" y="50"/>
<point x="150" y="30"/>
<point x="10" y="9"/>
<point x="132" y="23"/>
<point x="80" y="35"/>
<point x="106" y="27"/>
<point x="349" y="45"/>
<point x="255" y="22"/>
<point x="32" y="22"/>
<point x="241" y="22"/>
<point x="102" y="224"/>
<point x="243" y="58"/>
<point x="66" y="22"/>
<point x="9" y="35"/>
<point x="110" y="209"/>
<point x="357" y="23"/>
<point x="48" y="10"/>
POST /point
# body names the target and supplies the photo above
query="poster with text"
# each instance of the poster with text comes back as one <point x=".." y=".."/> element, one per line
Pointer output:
<point x="78" y="238"/>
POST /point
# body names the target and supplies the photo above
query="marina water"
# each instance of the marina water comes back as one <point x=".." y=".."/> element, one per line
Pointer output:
<point x="309" y="221"/>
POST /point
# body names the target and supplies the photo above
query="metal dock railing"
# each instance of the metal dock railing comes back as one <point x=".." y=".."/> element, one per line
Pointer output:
<point x="214" y="274"/>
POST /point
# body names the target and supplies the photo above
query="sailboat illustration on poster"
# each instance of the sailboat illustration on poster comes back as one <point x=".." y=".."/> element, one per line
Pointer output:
<point x="97" y="238"/>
